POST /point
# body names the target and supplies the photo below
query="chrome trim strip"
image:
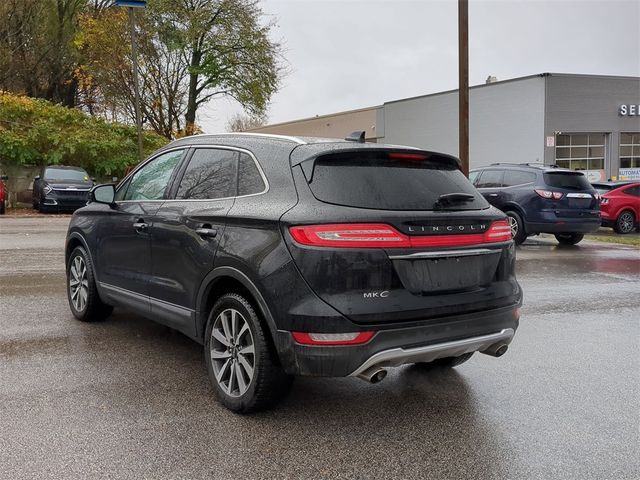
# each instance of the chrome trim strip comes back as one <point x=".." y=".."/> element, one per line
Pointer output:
<point x="444" y="254"/>
<point x="579" y="195"/>
<point x="297" y="140"/>
<point x="399" y="356"/>
<point x="219" y="147"/>
<point x="71" y="189"/>
<point x="140" y="296"/>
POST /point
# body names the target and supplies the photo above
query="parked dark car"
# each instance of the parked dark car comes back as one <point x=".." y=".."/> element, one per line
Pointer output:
<point x="541" y="199"/>
<point x="619" y="205"/>
<point x="3" y="194"/>
<point x="296" y="256"/>
<point x="61" y="188"/>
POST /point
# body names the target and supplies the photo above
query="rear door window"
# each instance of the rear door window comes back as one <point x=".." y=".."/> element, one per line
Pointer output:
<point x="490" y="179"/>
<point x="389" y="181"/>
<point x="567" y="180"/>
<point x="515" y="177"/>
<point x="211" y="174"/>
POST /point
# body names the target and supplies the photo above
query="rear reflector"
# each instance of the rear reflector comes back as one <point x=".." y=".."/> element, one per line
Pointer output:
<point x="379" y="235"/>
<point x="329" y="339"/>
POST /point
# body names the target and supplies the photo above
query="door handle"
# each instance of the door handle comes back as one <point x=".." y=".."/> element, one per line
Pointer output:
<point x="207" y="232"/>
<point x="141" y="227"/>
<point x="493" y="194"/>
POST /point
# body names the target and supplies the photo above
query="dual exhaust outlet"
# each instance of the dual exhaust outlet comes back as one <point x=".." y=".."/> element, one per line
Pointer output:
<point x="376" y="374"/>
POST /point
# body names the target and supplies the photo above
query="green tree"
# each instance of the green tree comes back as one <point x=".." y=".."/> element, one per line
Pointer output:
<point x="37" y="132"/>
<point x="228" y="50"/>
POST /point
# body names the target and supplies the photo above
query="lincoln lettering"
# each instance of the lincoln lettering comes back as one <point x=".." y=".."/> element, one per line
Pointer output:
<point x="447" y="228"/>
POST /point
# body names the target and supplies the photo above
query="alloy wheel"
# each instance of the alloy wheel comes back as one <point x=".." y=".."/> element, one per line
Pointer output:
<point x="232" y="351"/>
<point x="78" y="283"/>
<point x="513" y="223"/>
<point x="625" y="222"/>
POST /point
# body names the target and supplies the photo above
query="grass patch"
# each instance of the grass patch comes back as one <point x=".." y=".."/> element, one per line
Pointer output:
<point x="621" y="239"/>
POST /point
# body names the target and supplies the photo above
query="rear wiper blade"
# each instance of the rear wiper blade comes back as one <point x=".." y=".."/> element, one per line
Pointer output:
<point x="452" y="198"/>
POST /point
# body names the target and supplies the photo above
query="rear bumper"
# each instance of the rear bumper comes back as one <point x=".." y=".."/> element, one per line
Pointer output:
<point x="452" y="336"/>
<point x="564" y="225"/>
<point x="395" y="357"/>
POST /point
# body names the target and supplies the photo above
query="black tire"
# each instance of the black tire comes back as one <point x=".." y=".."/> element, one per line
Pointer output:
<point x="447" y="362"/>
<point x="93" y="309"/>
<point x="569" y="238"/>
<point x="3" y="207"/>
<point x="268" y="382"/>
<point x="518" y="231"/>
<point x="625" y="223"/>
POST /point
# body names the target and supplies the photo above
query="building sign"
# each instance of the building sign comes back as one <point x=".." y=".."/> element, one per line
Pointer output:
<point x="629" y="110"/>
<point x="629" y="174"/>
<point x="595" y="175"/>
<point x="551" y="141"/>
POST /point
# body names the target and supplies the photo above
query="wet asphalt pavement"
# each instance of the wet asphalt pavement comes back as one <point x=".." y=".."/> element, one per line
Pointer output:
<point x="131" y="399"/>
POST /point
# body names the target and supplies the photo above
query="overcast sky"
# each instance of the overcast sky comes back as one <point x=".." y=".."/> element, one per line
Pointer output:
<point x="344" y="55"/>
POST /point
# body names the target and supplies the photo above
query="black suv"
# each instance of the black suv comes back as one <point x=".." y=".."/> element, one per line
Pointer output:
<point x="59" y="188"/>
<point x="299" y="256"/>
<point x="541" y="199"/>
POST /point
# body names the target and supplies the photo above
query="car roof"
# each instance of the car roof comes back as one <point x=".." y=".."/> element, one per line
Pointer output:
<point x="66" y="167"/>
<point x="618" y="183"/>
<point x="304" y="147"/>
<point x="540" y="167"/>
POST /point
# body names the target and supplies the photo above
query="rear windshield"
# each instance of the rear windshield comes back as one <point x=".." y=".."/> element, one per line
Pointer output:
<point x="387" y="181"/>
<point x="568" y="180"/>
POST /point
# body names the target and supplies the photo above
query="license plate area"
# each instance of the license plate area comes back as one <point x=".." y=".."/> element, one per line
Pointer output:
<point x="427" y="273"/>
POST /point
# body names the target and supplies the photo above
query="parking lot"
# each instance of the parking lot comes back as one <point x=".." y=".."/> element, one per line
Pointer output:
<point x="128" y="398"/>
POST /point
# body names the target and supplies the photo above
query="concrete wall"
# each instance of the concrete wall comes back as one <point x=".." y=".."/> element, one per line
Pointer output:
<point x="20" y="182"/>
<point x="337" y="125"/>
<point x="506" y="122"/>
<point x="590" y="104"/>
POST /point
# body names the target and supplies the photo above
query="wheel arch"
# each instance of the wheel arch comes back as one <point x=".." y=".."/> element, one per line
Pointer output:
<point x="229" y="280"/>
<point x="74" y="240"/>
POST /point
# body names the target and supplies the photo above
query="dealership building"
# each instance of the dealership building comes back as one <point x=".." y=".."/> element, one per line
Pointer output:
<point x="583" y="122"/>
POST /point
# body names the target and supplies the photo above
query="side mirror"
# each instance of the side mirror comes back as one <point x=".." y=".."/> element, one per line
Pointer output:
<point x="4" y="177"/>
<point x="103" y="194"/>
<point x="37" y="177"/>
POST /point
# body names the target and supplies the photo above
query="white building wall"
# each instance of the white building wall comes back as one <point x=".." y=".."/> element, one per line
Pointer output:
<point x="506" y="122"/>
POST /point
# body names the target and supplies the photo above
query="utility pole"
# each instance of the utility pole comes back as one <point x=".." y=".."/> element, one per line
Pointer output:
<point x="136" y="83"/>
<point x="130" y="5"/>
<point x="463" y="84"/>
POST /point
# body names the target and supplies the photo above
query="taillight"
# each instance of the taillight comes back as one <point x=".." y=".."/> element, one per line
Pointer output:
<point x="379" y="235"/>
<point x="499" y="231"/>
<point x="365" y="235"/>
<point x="548" y="194"/>
<point x="332" y="339"/>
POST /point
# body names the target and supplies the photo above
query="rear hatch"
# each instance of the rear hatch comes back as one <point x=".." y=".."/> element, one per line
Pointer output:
<point x="578" y="198"/>
<point x="386" y="235"/>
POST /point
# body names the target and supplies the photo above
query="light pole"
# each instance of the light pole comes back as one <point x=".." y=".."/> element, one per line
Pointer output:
<point x="131" y="4"/>
<point x="463" y="84"/>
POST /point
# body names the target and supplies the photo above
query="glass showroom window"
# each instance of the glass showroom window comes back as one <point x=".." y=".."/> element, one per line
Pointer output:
<point x="580" y="151"/>
<point x="630" y="150"/>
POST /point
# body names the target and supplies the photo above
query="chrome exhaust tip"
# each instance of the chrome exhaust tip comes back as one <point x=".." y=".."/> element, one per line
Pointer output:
<point x="373" y="374"/>
<point x="496" y="350"/>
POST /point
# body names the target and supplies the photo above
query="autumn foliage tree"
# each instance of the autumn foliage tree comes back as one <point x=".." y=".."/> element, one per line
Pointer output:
<point x="77" y="53"/>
